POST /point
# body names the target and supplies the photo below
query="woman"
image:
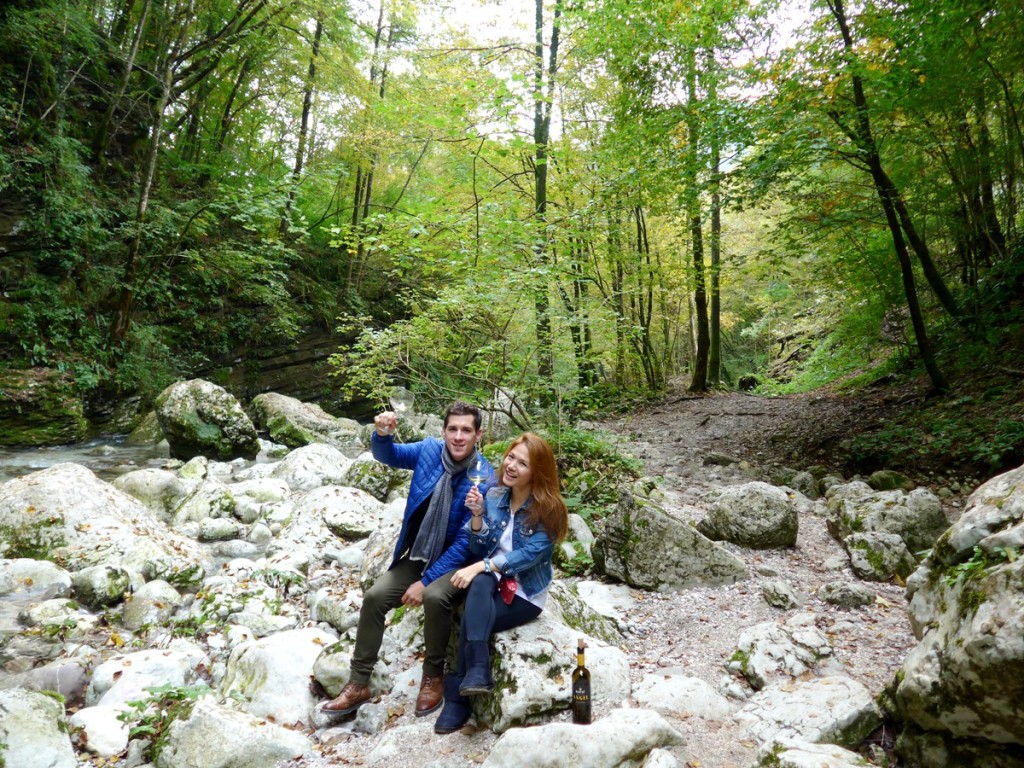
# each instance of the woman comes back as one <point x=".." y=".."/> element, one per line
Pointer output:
<point x="514" y="531"/>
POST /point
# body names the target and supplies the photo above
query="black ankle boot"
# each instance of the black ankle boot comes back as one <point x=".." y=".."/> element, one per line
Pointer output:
<point x="456" y="707"/>
<point x="478" y="669"/>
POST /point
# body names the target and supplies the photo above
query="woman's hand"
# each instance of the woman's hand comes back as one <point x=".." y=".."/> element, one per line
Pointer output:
<point x="385" y="423"/>
<point x="463" y="577"/>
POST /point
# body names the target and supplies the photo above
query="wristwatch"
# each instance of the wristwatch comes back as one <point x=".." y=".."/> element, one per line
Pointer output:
<point x="487" y="565"/>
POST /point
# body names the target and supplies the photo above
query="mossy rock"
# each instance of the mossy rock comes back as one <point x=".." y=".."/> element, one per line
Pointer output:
<point x="39" y="407"/>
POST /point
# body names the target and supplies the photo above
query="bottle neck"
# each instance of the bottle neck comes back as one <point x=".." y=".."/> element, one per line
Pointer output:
<point x="579" y="659"/>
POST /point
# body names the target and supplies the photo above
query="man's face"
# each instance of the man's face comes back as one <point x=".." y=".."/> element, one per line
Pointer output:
<point x="460" y="435"/>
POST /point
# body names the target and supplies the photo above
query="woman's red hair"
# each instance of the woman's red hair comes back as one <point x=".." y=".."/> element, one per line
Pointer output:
<point x="548" y="507"/>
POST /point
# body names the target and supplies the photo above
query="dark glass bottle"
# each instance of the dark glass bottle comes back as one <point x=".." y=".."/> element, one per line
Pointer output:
<point x="581" y="713"/>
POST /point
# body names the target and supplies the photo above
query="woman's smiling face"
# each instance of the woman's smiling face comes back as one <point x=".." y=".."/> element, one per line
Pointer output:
<point x="515" y="469"/>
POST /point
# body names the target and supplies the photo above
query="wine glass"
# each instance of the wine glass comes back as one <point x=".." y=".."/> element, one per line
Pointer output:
<point x="401" y="400"/>
<point x="477" y="472"/>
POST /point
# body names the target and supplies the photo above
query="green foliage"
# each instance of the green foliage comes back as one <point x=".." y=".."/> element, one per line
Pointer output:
<point x="980" y="561"/>
<point x="591" y="470"/>
<point x="152" y="718"/>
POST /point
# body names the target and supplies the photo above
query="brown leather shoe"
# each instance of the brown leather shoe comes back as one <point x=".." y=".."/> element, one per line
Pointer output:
<point x="352" y="696"/>
<point x="431" y="695"/>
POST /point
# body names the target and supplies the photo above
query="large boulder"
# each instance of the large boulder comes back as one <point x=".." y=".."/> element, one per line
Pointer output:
<point x="33" y="731"/>
<point x="201" y="419"/>
<point x="771" y="652"/>
<point x="294" y="423"/>
<point x="159" y="489"/>
<point x="832" y="710"/>
<point x="644" y="547"/>
<point x="311" y="466"/>
<point x="755" y="515"/>
<point x="623" y="737"/>
<point x="960" y="688"/>
<point x="531" y="666"/>
<point x="38" y="407"/>
<point x="214" y="735"/>
<point x="878" y="556"/>
<point x="68" y="515"/>
<point x="916" y="517"/>
<point x="273" y="673"/>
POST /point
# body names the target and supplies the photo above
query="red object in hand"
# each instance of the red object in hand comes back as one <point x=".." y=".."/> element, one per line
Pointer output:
<point x="507" y="587"/>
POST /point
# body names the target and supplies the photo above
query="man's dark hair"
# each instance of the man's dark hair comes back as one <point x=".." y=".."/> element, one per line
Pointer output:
<point x="459" y="408"/>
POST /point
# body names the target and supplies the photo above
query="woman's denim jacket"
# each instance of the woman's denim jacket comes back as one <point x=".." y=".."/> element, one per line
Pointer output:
<point x="530" y="559"/>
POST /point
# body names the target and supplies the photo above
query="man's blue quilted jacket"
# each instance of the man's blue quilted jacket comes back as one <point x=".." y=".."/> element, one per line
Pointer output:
<point x="424" y="459"/>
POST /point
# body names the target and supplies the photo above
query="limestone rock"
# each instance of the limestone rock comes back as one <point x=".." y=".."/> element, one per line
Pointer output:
<point x="963" y="681"/>
<point x="103" y="734"/>
<point x="644" y="547"/>
<point x="201" y="418"/>
<point x="312" y="466"/>
<point x="755" y="515"/>
<point x="153" y="603"/>
<point x="671" y="691"/>
<point x="846" y="595"/>
<point x="66" y="514"/>
<point x="159" y="489"/>
<point x="793" y="753"/>
<point x="833" y="710"/>
<point x="294" y="423"/>
<point x="101" y="585"/>
<point x="124" y="679"/>
<point x="39" y="579"/>
<point x="624" y="734"/>
<point x="33" y="731"/>
<point x="780" y="594"/>
<point x="378" y="480"/>
<point x="890" y="480"/>
<point x="917" y="517"/>
<point x="273" y="672"/>
<point x="878" y="556"/>
<point x="532" y="665"/>
<point x="216" y="736"/>
<point x="768" y="652"/>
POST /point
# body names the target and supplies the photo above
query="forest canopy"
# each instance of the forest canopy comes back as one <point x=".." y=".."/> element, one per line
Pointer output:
<point x="563" y="201"/>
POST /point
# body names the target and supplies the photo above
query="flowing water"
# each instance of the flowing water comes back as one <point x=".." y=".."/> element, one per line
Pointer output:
<point x="107" y="456"/>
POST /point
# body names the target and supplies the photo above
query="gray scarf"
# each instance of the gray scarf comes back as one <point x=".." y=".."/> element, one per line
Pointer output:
<point x="430" y="540"/>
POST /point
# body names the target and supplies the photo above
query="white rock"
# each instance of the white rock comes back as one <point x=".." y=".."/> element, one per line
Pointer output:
<point x="273" y="673"/>
<point x="671" y="691"/>
<point x="624" y="734"/>
<point x="312" y="466"/>
<point x="125" y="678"/>
<point x="38" y="579"/>
<point x="105" y="735"/>
<point x="216" y="736"/>
<point x="801" y="754"/>
<point x="33" y="731"/>
<point x="836" y="710"/>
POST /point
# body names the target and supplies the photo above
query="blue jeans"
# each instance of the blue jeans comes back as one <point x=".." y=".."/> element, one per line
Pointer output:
<point x="486" y="613"/>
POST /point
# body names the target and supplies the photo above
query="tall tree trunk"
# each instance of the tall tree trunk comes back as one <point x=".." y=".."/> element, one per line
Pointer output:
<point x="101" y="138"/>
<point x="541" y="131"/>
<point x="307" y="107"/>
<point x="125" y="304"/>
<point x="715" y="345"/>
<point x="699" y="380"/>
<point x="892" y="205"/>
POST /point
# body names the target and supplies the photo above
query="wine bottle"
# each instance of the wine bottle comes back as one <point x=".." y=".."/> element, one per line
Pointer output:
<point x="581" y="713"/>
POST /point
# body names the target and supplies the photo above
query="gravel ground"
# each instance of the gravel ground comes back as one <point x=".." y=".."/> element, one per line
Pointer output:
<point x="697" y="629"/>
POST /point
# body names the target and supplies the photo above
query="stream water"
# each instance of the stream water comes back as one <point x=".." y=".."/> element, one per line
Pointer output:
<point x="107" y="456"/>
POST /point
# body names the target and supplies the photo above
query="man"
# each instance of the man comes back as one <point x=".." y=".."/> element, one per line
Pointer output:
<point x="432" y="544"/>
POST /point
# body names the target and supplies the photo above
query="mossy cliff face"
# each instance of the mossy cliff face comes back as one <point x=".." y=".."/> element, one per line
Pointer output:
<point x="965" y="680"/>
<point x="38" y="407"/>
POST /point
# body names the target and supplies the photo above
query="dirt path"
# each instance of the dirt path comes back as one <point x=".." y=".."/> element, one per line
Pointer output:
<point x="697" y="629"/>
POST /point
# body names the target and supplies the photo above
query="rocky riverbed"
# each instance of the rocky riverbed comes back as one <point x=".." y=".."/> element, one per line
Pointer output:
<point x="222" y="596"/>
